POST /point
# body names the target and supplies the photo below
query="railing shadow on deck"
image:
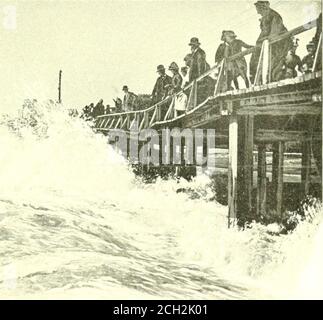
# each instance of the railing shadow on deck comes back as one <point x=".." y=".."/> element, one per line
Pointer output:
<point x="210" y="84"/>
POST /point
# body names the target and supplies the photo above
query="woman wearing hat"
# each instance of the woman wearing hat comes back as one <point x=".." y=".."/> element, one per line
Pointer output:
<point x="176" y="89"/>
<point x="176" y="85"/>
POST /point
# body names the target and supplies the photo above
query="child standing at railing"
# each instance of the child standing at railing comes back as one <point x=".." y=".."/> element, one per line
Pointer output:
<point x="291" y="61"/>
<point x="308" y="60"/>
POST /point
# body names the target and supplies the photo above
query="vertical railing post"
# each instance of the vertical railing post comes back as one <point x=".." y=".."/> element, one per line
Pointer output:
<point x="263" y="68"/>
<point x="318" y="55"/>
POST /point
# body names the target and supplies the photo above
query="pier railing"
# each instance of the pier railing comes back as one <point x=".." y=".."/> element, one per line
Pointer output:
<point x="200" y="90"/>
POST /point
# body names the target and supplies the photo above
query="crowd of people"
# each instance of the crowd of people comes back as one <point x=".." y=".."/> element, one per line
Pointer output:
<point x="285" y="63"/>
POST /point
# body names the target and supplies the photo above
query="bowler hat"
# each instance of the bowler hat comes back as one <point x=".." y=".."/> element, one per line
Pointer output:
<point x="125" y="88"/>
<point x="160" y="68"/>
<point x="194" y="41"/>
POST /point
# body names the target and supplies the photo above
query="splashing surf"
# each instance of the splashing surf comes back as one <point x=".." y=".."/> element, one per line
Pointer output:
<point x="76" y="223"/>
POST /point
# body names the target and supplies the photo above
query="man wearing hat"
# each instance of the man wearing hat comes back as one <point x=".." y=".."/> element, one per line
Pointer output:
<point x="129" y="99"/>
<point x="308" y="60"/>
<point x="271" y="24"/>
<point x="198" y="62"/>
<point x="160" y="89"/>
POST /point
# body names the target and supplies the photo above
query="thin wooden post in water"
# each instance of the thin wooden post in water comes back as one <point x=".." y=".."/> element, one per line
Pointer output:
<point x="262" y="181"/>
<point x="248" y="160"/>
<point x="277" y="174"/>
<point x="232" y="169"/>
<point x="306" y="166"/>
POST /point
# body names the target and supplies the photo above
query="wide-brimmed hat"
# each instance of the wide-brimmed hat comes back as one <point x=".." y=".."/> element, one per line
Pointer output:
<point x="230" y="33"/>
<point x="223" y="34"/>
<point x="194" y="41"/>
<point x="173" y="66"/>
<point x="125" y="88"/>
<point x="160" y="68"/>
<point x="262" y="4"/>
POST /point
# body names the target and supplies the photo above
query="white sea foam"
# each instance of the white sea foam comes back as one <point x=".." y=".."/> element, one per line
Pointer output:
<point x="76" y="223"/>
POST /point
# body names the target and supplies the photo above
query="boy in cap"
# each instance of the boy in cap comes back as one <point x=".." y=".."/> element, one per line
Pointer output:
<point x="291" y="61"/>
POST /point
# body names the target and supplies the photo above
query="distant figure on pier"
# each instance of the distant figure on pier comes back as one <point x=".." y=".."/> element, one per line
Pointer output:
<point x="271" y="24"/>
<point x="308" y="60"/>
<point x="98" y="109"/>
<point x="160" y="90"/>
<point x="238" y="67"/>
<point x="291" y="61"/>
<point x="129" y="99"/>
<point x="198" y="63"/>
<point x="107" y="109"/>
<point x="85" y="112"/>
<point x="118" y="105"/>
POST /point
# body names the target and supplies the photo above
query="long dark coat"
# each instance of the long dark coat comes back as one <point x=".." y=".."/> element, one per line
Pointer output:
<point x="271" y="24"/>
<point x="199" y="65"/>
<point x="161" y="88"/>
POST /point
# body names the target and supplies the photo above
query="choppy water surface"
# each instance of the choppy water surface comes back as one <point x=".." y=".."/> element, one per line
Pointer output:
<point x="75" y="223"/>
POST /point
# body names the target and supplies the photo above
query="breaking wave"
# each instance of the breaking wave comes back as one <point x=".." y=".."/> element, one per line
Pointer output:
<point x="75" y="222"/>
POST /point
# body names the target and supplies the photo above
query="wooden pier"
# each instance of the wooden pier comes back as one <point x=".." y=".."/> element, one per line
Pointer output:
<point x="267" y="117"/>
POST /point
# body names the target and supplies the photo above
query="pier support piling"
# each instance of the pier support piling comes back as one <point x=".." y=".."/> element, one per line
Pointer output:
<point x="232" y="169"/>
<point x="278" y="175"/>
<point x="262" y="181"/>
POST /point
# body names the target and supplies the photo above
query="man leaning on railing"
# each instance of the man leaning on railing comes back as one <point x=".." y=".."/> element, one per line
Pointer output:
<point x="271" y="23"/>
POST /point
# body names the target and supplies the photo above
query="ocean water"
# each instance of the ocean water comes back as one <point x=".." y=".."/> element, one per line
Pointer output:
<point x="76" y="223"/>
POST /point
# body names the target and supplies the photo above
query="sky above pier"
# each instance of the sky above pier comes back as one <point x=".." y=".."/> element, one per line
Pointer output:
<point x="102" y="45"/>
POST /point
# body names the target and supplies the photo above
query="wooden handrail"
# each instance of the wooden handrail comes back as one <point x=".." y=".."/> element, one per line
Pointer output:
<point x="273" y="39"/>
<point x="305" y="27"/>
